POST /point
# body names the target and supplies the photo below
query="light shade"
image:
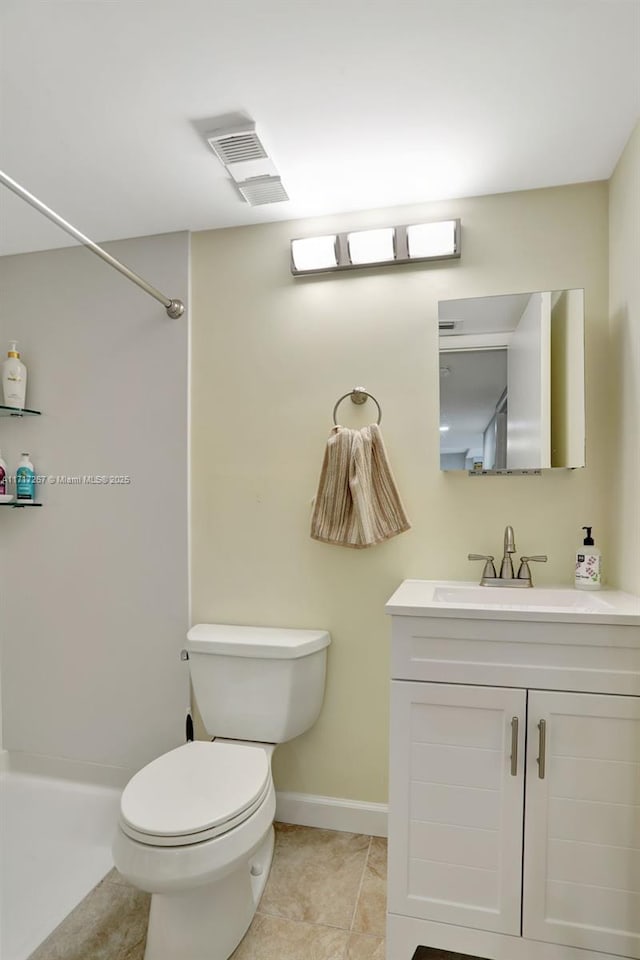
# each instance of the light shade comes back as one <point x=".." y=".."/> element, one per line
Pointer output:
<point x="314" y="253"/>
<point x="431" y="239"/>
<point x="384" y="247"/>
<point x="371" y="246"/>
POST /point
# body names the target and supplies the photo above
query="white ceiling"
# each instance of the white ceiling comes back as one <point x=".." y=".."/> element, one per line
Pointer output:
<point x="484" y="314"/>
<point x="360" y="103"/>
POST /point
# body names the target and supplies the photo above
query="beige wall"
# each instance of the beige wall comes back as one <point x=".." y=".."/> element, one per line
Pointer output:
<point x="624" y="304"/>
<point x="271" y="355"/>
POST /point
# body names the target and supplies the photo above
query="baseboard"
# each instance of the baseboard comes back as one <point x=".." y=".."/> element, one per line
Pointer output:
<point x="305" y="809"/>
<point x="332" y="813"/>
<point x="61" y="768"/>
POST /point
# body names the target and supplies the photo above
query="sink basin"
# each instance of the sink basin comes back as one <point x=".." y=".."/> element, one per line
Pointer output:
<point x="453" y="598"/>
<point x="513" y="597"/>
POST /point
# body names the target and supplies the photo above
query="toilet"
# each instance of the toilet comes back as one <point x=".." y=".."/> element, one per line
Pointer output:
<point x="196" y="824"/>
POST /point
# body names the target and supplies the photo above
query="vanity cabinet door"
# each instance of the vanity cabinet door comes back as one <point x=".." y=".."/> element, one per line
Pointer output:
<point x="455" y="804"/>
<point x="582" y="825"/>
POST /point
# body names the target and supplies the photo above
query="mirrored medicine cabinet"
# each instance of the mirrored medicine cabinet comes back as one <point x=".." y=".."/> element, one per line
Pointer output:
<point x="512" y="392"/>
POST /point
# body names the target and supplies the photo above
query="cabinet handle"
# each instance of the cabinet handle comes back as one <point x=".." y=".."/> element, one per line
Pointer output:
<point x="542" y="748"/>
<point x="514" y="746"/>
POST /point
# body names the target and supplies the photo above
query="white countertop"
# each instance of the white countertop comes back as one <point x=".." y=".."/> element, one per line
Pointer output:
<point x="468" y="600"/>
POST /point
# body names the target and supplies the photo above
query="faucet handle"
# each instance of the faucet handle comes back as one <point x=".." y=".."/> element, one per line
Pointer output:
<point x="524" y="573"/>
<point x="489" y="568"/>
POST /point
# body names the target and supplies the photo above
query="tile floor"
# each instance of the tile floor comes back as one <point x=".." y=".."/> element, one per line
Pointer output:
<point x="325" y="900"/>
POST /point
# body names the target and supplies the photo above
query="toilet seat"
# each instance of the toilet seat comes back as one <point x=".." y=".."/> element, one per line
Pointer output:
<point x="195" y="792"/>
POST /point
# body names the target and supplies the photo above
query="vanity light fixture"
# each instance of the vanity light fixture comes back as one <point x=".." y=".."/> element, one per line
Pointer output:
<point x="371" y="246"/>
<point x="314" y="253"/>
<point x="418" y="242"/>
<point x="426" y="240"/>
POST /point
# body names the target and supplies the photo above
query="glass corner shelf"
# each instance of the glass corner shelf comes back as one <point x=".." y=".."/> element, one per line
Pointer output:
<point x="18" y="506"/>
<point x="17" y="412"/>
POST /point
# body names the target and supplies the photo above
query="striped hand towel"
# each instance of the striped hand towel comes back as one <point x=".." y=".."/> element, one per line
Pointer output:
<point x="357" y="503"/>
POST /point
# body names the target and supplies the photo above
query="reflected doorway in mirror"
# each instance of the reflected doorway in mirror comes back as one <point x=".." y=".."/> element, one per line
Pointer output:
<point x="512" y="382"/>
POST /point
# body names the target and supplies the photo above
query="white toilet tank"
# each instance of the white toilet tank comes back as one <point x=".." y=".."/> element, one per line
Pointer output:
<point x="257" y="683"/>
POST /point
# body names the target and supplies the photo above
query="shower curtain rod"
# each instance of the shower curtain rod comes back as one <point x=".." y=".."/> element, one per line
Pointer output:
<point x="174" y="308"/>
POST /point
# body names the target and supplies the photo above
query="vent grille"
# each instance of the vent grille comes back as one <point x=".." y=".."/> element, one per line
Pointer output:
<point x="263" y="190"/>
<point x="246" y="160"/>
<point x="237" y="147"/>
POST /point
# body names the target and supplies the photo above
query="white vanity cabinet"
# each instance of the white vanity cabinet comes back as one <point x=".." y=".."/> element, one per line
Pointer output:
<point x="582" y="822"/>
<point x="455" y="811"/>
<point x="514" y="801"/>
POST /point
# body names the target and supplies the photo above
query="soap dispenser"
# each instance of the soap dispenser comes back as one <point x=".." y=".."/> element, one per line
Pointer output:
<point x="14" y="378"/>
<point x="588" y="564"/>
<point x="25" y="481"/>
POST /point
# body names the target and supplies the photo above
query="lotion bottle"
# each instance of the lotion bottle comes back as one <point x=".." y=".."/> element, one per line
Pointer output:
<point x="25" y="481"/>
<point x="588" y="564"/>
<point x="14" y="378"/>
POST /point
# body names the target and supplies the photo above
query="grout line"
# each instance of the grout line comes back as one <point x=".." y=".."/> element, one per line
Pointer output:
<point x="364" y="870"/>
<point x="305" y="923"/>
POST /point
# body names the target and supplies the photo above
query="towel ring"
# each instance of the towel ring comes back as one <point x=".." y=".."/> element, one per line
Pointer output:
<point x="358" y="395"/>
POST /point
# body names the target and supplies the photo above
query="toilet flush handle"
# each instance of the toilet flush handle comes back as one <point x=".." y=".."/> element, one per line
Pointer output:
<point x="184" y="654"/>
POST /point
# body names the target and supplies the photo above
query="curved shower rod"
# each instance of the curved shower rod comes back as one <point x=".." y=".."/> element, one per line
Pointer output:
<point x="174" y="308"/>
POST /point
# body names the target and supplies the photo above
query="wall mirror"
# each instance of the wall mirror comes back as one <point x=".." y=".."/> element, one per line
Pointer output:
<point x="512" y="382"/>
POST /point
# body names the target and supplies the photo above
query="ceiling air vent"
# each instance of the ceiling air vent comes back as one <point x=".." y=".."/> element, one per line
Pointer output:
<point x="236" y="144"/>
<point x="246" y="160"/>
<point x="262" y="190"/>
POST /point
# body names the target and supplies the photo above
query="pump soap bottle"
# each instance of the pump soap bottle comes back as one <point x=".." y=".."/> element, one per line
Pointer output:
<point x="588" y="564"/>
<point x="14" y="378"/>
<point x="25" y="481"/>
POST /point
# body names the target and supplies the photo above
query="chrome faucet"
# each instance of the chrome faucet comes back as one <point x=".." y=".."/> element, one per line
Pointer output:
<point x="507" y="577"/>
<point x="506" y="567"/>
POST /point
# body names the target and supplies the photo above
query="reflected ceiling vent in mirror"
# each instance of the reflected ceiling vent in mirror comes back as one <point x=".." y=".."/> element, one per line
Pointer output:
<point x="450" y="326"/>
<point x="245" y="158"/>
<point x="382" y="247"/>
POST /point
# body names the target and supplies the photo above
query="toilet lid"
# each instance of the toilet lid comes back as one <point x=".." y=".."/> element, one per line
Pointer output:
<point x="194" y="788"/>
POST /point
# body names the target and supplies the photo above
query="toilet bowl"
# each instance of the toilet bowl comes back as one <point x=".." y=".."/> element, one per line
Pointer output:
<point x="196" y="824"/>
<point x="196" y="830"/>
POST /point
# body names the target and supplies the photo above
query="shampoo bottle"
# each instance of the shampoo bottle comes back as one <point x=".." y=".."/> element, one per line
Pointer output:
<point x="25" y="481"/>
<point x="14" y="378"/>
<point x="4" y="493"/>
<point x="588" y="564"/>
